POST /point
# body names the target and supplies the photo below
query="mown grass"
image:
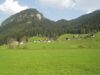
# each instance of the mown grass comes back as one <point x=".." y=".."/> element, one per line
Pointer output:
<point x="50" y="62"/>
<point x="61" y="57"/>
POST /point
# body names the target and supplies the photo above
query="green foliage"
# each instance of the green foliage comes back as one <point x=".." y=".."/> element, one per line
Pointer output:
<point x="37" y="38"/>
<point x="27" y="24"/>
<point x="74" y="41"/>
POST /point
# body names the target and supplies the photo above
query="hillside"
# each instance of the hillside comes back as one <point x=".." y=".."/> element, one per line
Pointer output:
<point x="31" y="22"/>
<point x="87" y="23"/>
<point x="28" y="23"/>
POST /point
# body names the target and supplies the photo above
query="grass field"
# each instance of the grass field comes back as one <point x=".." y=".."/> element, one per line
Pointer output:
<point x="50" y="62"/>
<point x="74" y="57"/>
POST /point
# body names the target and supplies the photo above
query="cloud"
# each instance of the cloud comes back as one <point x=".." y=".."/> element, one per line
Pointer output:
<point x="85" y="5"/>
<point x="11" y="6"/>
<point x="88" y="5"/>
<point x="58" y="3"/>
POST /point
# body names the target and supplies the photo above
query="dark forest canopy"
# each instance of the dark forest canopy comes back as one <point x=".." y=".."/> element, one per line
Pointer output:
<point x="31" y="22"/>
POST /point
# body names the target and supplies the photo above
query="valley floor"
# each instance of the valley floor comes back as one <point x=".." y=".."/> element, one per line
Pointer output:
<point x="50" y="62"/>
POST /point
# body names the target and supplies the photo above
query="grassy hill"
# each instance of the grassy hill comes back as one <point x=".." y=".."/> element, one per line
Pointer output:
<point x="81" y="41"/>
<point x="67" y="41"/>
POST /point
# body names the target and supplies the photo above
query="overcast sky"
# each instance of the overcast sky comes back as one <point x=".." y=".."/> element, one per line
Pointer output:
<point x="52" y="9"/>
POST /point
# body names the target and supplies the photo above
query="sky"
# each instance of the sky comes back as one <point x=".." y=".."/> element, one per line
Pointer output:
<point x="51" y="9"/>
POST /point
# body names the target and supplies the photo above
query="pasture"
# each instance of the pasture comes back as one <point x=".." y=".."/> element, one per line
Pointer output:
<point x="50" y="62"/>
<point x="66" y="57"/>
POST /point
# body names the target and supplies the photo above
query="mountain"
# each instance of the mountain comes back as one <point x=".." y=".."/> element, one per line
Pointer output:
<point x="28" y="23"/>
<point x="31" y="22"/>
<point x="87" y="23"/>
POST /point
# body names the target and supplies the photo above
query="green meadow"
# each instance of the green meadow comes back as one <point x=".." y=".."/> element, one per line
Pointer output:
<point x="60" y="57"/>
